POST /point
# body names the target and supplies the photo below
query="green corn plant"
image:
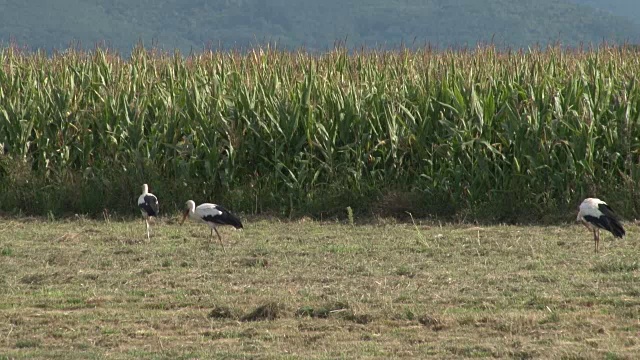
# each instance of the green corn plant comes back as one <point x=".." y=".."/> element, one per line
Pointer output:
<point x="522" y="133"/>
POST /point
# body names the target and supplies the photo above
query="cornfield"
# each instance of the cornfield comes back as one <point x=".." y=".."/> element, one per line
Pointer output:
<point x="482" y="133"/>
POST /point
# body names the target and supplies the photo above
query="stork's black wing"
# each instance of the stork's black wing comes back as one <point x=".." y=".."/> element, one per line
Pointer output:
<point x="150" y="205"/>
<point x="609" y="221"/>
<point x="226" y="218"/>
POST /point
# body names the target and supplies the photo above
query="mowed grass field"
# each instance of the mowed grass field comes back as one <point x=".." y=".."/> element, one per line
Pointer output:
<point x="315" y="290"/>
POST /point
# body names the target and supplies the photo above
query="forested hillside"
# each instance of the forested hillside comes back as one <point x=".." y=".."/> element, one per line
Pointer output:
<point x="630" y="9"/>
<point x="316" y="25"/>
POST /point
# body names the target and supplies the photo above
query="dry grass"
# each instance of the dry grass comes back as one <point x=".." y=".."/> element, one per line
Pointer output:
<point x="87" y="289"/>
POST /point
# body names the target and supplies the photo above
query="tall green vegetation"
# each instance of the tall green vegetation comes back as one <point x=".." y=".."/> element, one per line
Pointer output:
<point x="484" y="134"/>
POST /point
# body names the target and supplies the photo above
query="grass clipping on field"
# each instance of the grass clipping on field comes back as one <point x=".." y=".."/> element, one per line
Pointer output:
<point x="316" y="290"/>
<point x="268" y="311"/>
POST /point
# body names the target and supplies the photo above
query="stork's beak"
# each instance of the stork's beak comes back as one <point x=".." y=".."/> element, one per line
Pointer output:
<point x="184" y="216"/>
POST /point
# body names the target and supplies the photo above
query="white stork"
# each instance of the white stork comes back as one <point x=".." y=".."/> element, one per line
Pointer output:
<point x="595" y="214"/>
<point x="148" y="204"/>
<point x="212" y="215"/>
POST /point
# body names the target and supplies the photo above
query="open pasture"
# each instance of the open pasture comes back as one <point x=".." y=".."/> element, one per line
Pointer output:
<point x="305" y="289"/>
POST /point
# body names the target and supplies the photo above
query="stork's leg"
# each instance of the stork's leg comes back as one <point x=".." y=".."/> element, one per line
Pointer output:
<point x="219" y="238"/>
<point x="596" y="239"/>
<point x="146" y="221"/>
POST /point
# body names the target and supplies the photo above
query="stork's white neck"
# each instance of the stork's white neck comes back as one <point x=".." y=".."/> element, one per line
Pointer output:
<point x="192" y="209"/>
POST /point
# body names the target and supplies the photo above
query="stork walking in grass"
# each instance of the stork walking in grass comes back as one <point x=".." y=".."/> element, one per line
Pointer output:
<point x="212" y="215"/>
<point x="148" y="204"/>
<point x="595" y="214"/>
